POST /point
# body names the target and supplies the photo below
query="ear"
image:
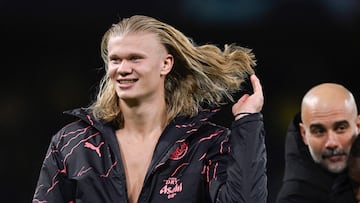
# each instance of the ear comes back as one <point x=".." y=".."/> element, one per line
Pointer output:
<point x="302" y="132"/>
<point x="168" y="64"/>
<point x="358" y="123"/>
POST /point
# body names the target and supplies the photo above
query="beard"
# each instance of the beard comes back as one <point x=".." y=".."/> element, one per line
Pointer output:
<point x="333" y="167"/>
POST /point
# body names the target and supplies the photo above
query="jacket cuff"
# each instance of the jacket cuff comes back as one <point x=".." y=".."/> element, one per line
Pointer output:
<point x="249" y="118"/>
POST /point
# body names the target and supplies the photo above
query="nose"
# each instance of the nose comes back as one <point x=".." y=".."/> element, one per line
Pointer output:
<point x="124" y="68"/>
<point x="332" y="141"/>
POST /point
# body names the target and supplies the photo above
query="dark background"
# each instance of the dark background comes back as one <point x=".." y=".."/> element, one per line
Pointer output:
<point x="50" y="62"/>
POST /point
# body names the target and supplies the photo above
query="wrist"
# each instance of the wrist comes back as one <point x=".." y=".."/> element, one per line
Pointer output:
<point x="241" y="114"/>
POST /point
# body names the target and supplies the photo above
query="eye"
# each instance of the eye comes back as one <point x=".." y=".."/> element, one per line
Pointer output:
<point x="342" y="127"/>
<point x="317" y="132"/>
<point x="114" y="59"/>
<point x="135" y="58"/>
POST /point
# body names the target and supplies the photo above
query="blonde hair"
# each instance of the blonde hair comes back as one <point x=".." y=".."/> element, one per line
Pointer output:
<point x="200" y="75"/>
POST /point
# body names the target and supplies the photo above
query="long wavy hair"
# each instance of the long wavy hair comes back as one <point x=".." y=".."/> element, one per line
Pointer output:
<point x="201" y="74"/>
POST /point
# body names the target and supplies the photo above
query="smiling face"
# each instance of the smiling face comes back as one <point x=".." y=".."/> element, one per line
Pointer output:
<point x="329" y="126"/>
<point x="137" y="66"/>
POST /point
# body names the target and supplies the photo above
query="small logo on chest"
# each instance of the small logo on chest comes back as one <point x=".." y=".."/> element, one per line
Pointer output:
<point x="180" y="151"/>
<point x="171" y="188"/>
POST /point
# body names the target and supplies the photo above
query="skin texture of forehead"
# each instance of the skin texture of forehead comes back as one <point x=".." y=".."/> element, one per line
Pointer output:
<point x="327" y="96"/>
<point x="137" y="38"/>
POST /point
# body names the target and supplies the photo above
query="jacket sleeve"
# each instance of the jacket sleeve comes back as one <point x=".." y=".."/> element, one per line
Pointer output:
<point x="246" y="174"/>
<point x="52" y="185"/>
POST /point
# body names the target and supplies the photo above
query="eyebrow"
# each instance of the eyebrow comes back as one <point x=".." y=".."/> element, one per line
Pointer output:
<point x="316" y="126"/>
<point x="337" y="123"/>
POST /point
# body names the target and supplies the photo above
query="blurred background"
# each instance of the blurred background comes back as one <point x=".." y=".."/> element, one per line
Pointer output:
<point x="50" y="62"/>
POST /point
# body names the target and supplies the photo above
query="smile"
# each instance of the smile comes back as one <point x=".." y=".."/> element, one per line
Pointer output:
<point x="127" y="81"/>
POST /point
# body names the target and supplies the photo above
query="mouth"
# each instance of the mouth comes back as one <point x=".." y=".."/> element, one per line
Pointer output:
<point x="334" y="155"/>
<point x="336" y="158"/>
<point x="128" y="81"/>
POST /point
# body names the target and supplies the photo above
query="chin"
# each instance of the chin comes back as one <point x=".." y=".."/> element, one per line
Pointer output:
<point x="336" y="168"/>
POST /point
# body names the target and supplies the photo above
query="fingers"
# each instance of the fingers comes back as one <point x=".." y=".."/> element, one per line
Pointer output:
<point x="255" y="82"/>
<point x="250" y="103"/>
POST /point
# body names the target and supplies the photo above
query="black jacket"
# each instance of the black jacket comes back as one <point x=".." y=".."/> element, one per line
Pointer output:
<point x="194" y="161"/>
<point x="305" y="181"/>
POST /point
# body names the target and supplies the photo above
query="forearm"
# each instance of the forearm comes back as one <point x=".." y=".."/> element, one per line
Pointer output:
<point x="247" y="177"/>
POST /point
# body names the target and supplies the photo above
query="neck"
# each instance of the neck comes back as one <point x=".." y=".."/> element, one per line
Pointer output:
<point x="144" y="119"/>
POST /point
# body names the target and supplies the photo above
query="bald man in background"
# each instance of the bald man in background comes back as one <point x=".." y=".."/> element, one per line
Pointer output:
<point x="318" y="145"/>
